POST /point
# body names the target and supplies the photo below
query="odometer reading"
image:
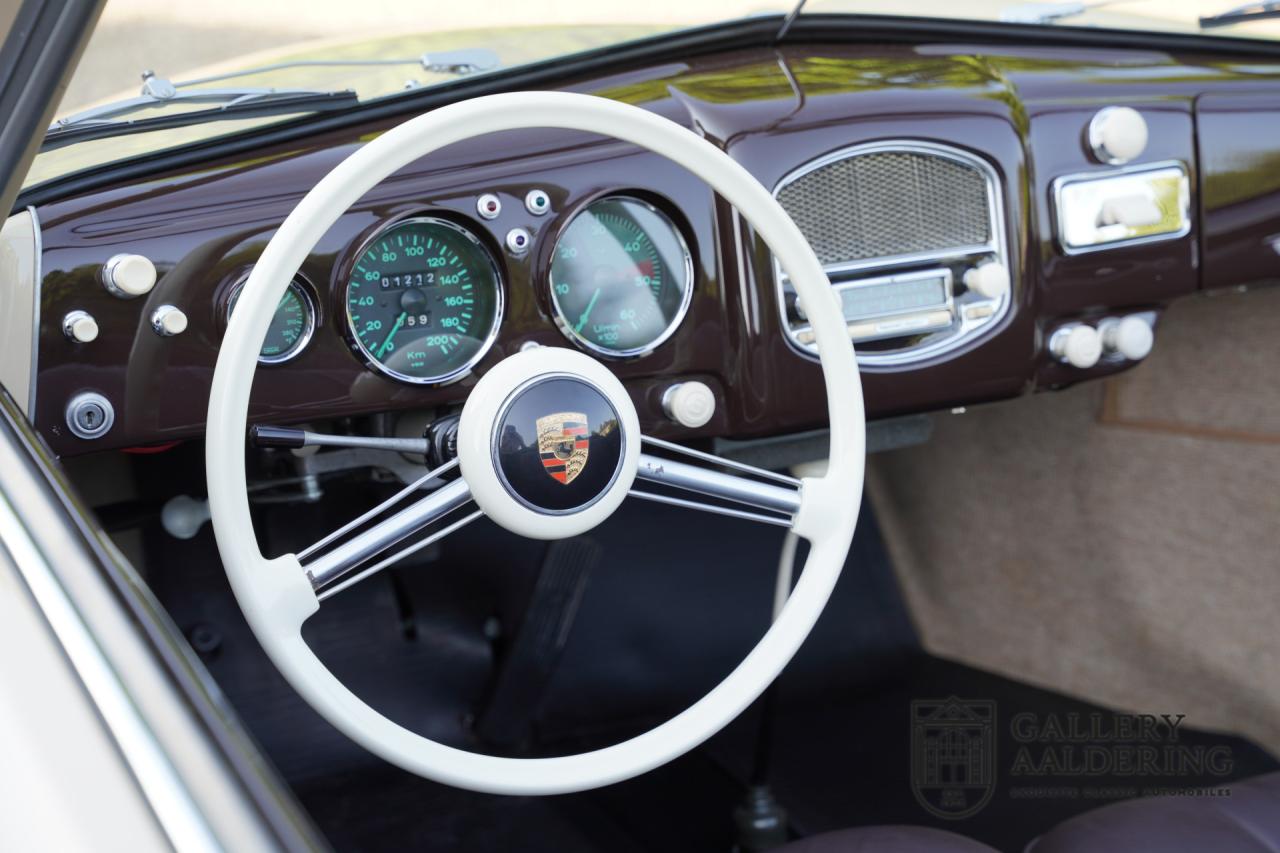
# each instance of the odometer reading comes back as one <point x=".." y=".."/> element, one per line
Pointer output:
<point x="621" y="277"/>
<point x="424" y="300"/>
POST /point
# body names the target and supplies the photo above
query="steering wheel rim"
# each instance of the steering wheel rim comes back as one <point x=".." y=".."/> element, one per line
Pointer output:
<point x="276" y="595"/>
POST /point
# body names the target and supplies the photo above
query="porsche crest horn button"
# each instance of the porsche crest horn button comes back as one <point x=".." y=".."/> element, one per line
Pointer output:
<point x="557" y="444"/>
<point x="563" y="445"/>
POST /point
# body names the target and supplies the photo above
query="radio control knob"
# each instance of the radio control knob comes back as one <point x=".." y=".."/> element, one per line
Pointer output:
<point x="1131" y="337"/>
<point x="1079" y="346"/>
<point x="168" y="320"/>
<point x="990" y="280"/>
<point x="690" y="404"/>
<point x="1117" y="135"/>
<point x="127" y="276"/>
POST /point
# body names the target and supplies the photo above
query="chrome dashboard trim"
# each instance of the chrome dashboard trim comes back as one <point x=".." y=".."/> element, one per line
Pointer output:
<point x="1184" y="200"/>
<point x="998" y="246"/>
<point x="161" y="785"/>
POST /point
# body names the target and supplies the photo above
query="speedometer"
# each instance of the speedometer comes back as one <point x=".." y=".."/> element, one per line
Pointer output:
<point x="621" y="277"/>
<point x="424" y="300"/>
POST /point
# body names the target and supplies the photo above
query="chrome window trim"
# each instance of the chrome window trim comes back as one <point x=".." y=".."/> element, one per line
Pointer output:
<point x="35" y="312"/>
<point x="998" y="246"/>
<point x="1184" y="198"/>
<point x="164" y="790"/>
<point x="22" y="246"/>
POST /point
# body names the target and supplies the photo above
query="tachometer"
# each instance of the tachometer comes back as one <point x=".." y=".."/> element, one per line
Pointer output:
<point x="424" y="300"/>
<point x="291" y="325"/>
<point x="621" y="277"/>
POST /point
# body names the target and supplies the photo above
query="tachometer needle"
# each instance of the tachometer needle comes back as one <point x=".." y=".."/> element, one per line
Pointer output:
<point x="399" y="322"/>
<point x="582" y="320"/>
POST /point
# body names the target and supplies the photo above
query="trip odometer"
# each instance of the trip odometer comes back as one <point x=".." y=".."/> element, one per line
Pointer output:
<point x="621" y="277"/>
<point x="424" y="300"/>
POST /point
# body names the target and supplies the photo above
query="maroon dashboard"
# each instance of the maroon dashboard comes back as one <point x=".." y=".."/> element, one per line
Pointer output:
<point x="973" y="207"/>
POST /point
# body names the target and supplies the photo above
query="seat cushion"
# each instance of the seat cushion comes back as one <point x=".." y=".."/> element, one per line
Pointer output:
<point x="1245" y="822"/>
<point x="886" y="839"/>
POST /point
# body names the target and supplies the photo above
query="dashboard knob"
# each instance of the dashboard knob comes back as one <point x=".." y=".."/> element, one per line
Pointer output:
<point x="990" y="280"/>
<point x="1079" y="346"/>
<point x="690" y="404"/>
<point x="127" y="276"/>
<point x="183" y="516"/>
<point x="80" y="327"/>
<point x="1117" y="135"/>
<point x="168" y="320"/>
<point x="1131" y="337"/>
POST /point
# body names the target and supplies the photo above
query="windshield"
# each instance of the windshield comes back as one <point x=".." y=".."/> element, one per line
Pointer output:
<point x="158" y="73"/>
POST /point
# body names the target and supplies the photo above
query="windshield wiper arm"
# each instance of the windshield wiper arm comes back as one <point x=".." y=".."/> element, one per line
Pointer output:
<point x="157" y="92"/>
<point x="1241" y="14"/>
<point x="1048" y="13"/>
<point x="460" y="62"/>
<point x="109" y="119"/>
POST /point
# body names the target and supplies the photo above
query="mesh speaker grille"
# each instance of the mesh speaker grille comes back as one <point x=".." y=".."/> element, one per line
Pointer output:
<point x="885" y="203"/>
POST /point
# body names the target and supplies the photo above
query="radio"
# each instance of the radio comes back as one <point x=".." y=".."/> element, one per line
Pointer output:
<point x="912" y="236"/>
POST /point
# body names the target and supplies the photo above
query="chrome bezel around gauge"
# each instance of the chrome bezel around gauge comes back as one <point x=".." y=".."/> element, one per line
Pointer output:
<point x="298" y="285"/>
<point x="499" y="304"/>
<point x="686" y="297"/>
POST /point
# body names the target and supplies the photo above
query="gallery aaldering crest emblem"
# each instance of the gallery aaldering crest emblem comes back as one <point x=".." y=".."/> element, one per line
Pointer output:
<point x="563" y="444"/>
<point x="953" y="755"/>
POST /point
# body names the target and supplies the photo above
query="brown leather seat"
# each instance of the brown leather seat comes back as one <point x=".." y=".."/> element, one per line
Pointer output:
<point x="887" y="839"/>
<point x="1247" y="821"/>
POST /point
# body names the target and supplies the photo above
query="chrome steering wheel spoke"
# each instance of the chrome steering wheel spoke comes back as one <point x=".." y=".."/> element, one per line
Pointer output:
<point x="763" y="496"/>
<point x="342" y="559"/>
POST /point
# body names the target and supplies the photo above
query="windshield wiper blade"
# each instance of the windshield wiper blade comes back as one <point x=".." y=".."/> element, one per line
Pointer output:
<point x="1241" y="14"/>
<point x="108" y="120"/>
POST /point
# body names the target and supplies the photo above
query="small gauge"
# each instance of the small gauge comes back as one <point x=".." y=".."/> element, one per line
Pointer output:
<point x="291" y="326"/>
<point x="424" y="300"/>
<point x="621" y="277"/>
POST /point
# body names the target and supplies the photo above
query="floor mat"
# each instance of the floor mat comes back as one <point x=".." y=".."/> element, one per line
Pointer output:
<point x="852" y="754"/>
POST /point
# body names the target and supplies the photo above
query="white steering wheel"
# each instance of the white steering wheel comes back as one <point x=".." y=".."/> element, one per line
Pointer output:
<point x="278" y="595"/>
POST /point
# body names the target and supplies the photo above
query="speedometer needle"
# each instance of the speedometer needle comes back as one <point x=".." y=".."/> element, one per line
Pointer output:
<point x="582" y="320"/>
<point x="399" y="322"/>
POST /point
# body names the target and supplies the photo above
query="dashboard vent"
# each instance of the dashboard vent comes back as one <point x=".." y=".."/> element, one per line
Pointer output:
<point x="889" y="202"/>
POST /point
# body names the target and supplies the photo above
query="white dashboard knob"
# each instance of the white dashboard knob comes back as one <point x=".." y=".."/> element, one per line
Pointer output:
<point x="128" y="276"/>
<point x="168" y="320"/>
<point x="989" y="280"/>
<point x="1117" y="135"/>
<point x="690" y="404"/>
<point x="1131" y="337"/>
<point x="1079" y="346"/>
<point x="79" y="326"/>
<point x="183" y="516"/>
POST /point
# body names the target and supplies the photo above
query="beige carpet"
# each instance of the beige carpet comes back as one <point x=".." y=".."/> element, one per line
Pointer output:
<point x="1135" y="562"/>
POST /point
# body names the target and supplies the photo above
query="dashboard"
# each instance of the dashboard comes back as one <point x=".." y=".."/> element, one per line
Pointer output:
<point x="994" y="221"/>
